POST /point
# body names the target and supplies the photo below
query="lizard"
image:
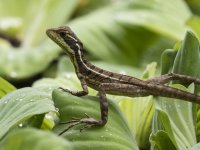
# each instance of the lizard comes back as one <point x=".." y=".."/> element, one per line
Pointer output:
<point x="106" y="82"/>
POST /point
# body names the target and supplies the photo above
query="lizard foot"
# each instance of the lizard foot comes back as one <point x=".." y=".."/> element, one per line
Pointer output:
<point x="88" y="123"/>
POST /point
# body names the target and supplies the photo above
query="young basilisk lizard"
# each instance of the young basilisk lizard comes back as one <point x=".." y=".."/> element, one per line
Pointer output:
<point x="112" y="83"/>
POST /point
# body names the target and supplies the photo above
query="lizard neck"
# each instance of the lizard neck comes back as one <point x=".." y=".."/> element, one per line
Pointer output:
<point x="80" y="63"/>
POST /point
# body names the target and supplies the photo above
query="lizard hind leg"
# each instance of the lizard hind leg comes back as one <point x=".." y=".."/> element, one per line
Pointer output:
<point x="89" y="122"/>
<point x="173" y="76"/>
<point x="118" y="89"/>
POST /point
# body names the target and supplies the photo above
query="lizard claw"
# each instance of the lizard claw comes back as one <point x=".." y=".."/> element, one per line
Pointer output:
<point x="88" y="123"/>
<point x="64" y="90"/>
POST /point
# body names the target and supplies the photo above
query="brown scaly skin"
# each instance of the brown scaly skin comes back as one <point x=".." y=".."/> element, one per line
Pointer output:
<point x="112" y="83"/>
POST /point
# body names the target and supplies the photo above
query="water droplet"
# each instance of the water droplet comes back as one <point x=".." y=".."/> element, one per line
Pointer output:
<point x="20" y="125"/>
<point x="13" y="74"/>
<point x="57" y="109"/>
<point x="48" y="116"/>
<point x="68" y="76"/>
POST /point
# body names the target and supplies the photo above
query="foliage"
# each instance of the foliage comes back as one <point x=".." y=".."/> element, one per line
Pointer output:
<point x="122" y="36"/>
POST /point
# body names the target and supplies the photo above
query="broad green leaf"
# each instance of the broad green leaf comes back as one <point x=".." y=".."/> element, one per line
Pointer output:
<point x="114" y="135"/>
<point x="176" y="116"/>
<point x="33" y="139"/>
<point x="189" y="49"/>
<point x="5" y="87"/>
<point x="130" y="30"/>
<point x="185" y="65"/>
<point x="159" y="16"/>
<point x="22" y="104"/>
<point x="187" y="60"/>
<point x="139" y="112"/>
<point x="34" y="18"/>
<point x="19" y="61"/>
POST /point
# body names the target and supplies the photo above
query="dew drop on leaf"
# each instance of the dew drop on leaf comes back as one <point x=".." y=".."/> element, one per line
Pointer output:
<point x="48" y="116"/>
<point x="57" y="109"/>
<point x="20" y="125"/>
<point x="13" y="74"/>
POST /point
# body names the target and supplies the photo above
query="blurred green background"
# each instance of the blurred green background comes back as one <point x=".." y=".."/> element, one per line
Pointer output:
<point x="123" y="33"/>
<point x="123" y="36"/>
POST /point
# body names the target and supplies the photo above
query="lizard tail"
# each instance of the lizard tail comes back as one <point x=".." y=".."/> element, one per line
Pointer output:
<point x="165" y="91"/>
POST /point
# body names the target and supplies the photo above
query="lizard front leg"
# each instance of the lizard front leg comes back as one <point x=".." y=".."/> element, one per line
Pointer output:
<point x="78" y="93"/>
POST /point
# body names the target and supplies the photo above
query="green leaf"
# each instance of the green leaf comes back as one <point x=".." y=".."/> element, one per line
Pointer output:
<point x="161" y="141"/>
<point x="187" y="60"/>
<point x="130" y="30"/>
<point x="33" y="139"/>
<point x="194" y="23"/>
<point x="19" y="61"/>
<point x="5" y="87"/>
<point x="157" y="16"/>
<point x="33" y="51"/>
<point x="194" y="6"/>
<point x="139" y="112"/>
<point x="167" y="60"/>
<point x="22" y="104"/>
<point x="38" y="17"/>
<point x="176" y="116"/>
<point x="114" y="135"/>
<point x="195" y="147"/>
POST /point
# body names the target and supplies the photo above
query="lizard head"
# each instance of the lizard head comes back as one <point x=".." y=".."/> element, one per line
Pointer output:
<point x="66" y="39"/>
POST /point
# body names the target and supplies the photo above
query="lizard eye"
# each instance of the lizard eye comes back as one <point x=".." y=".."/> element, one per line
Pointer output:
<point x="62" y="34"/>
